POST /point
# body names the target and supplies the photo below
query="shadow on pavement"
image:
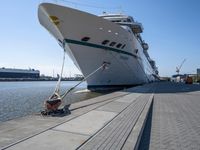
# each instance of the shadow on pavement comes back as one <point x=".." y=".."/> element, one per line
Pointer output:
<point x="145" y="139"/>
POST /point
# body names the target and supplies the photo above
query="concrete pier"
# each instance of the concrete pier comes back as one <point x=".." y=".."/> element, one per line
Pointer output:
<point x="154" y="116"/>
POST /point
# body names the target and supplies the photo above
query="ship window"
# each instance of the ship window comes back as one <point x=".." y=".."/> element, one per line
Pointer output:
<point x="119" y="45"/>
<point x="85" y="39"/>
<point x="60" y="41"/>
<point x="128" y="20"/>
<point x="105" y="42"/>
<point x="116" y="21"/>
<point x="112" y="43"/>
<point x="123" y="46"/>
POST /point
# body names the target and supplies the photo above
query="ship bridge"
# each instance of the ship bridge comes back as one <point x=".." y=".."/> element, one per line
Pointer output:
<point x="124" y="20"/>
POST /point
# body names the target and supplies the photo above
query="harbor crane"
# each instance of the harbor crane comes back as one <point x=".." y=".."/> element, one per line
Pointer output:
<point x="179" y="68"/>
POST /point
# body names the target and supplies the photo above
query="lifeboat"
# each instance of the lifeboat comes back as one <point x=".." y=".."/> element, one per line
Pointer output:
<point x="137" y="27"/>
<point x="145" y="46"/>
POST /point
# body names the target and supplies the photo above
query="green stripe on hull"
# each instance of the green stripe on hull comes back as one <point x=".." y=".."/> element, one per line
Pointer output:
<point x="98" y="46"/>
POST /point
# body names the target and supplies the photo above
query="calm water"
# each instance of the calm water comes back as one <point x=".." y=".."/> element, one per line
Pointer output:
<point x="24" y="98"/>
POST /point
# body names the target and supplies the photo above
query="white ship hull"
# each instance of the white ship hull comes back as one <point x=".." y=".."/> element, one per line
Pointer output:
<point x="69" y="26"/>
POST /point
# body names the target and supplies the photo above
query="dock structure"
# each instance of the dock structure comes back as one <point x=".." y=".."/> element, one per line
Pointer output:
<point x="161" y="115"/>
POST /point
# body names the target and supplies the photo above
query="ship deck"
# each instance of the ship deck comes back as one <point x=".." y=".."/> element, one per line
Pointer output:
<point x="161" y="115"/>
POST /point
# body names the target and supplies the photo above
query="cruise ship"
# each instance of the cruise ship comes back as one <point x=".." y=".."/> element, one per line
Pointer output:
<point x="91" y="40"/>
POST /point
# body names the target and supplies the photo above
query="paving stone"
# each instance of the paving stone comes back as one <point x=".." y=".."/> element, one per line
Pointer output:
<point x="175" y="120"/>
<point x="51" y="140"/>
<point x="88" y="123"/>
<point x="114" y="106"/>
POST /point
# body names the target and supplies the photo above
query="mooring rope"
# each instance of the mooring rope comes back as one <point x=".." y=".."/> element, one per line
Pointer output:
<point x="55" y="100"/>
<point x="103" y="66"/>
<point x="56" y="92"/>
<point x="57" y="89"/>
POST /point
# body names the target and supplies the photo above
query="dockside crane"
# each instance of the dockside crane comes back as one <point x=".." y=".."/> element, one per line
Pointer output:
<point x="179" y="68"/>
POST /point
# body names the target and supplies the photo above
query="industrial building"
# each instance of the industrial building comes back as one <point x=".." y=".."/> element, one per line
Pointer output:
<point x="19" y="73"/>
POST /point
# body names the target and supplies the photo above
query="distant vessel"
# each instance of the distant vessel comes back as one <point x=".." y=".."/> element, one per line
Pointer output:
<point x="91" y="40"/>
<point x="19" y="73"/>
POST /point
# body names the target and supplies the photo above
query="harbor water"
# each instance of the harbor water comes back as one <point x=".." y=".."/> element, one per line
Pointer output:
<point x="19" y="99"/>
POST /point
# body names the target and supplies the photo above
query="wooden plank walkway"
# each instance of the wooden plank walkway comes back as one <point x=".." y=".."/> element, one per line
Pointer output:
<point x="115" y="134"/>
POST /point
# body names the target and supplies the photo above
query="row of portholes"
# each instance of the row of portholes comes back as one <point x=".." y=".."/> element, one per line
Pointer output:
<point x="118" y="45"/>
<point x="105" y="42"/>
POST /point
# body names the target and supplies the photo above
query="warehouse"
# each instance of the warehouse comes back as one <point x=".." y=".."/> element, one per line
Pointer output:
<point x="19" y="73"/>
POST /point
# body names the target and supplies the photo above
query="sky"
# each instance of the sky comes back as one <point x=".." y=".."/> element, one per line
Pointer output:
<point x="171" y="28"/>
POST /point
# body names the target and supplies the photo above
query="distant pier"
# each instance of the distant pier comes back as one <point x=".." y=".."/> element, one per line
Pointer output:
<point x="161" y="115"/>
<point x="40" y="79"/>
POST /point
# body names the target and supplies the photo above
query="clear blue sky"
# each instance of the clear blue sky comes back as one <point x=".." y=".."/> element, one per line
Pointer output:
<point x="171" y="28"/>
